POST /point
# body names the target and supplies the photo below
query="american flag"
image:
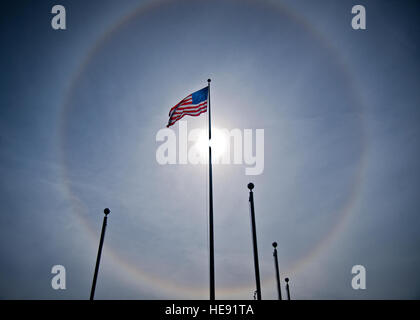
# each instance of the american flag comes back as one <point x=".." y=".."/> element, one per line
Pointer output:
<point x="192" y="105"/>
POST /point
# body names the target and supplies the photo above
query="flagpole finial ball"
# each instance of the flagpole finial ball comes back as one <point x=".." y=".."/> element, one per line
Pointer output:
<point x="107" y="211"/>
<point x="275" y="244"/>
<point x="208" y="80"/>
<point x="250" y="186"/>
<point x="287" y="279"/>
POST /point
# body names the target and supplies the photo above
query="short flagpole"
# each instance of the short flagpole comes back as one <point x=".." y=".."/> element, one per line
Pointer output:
<point x="276" y="264"/>
<point x="211" y="235"/>
<point x="98" y="259"/>
<point x="287" y="288"/>
<point x="254" y="240"/>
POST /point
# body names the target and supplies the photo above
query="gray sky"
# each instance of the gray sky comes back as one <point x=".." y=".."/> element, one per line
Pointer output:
<point x="81" y="107"/>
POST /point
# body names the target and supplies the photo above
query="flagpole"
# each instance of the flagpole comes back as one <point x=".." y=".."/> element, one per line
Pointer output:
<point x="98" y="259"/>
<point x="276" y="264"/>
<point x="287" y="288"/>
<point x="211" y="235"/>
<point x="254" y="240"/>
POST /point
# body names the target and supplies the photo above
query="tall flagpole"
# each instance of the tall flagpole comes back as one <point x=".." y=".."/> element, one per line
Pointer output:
<point x="211" y="236"/>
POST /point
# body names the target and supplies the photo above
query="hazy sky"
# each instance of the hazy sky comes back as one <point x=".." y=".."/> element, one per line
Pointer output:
<point x="80" y="109"/>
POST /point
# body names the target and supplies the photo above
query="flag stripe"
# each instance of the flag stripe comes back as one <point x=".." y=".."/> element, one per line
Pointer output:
<point x="190" y="113"/>
<point x="193" y="115"/>
<point x="177" y="117"/>
<point x="197" y="106"/>
<point x="184" y="101"/>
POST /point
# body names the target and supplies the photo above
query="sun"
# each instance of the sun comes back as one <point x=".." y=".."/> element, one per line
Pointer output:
<point x="218" y="144"/>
